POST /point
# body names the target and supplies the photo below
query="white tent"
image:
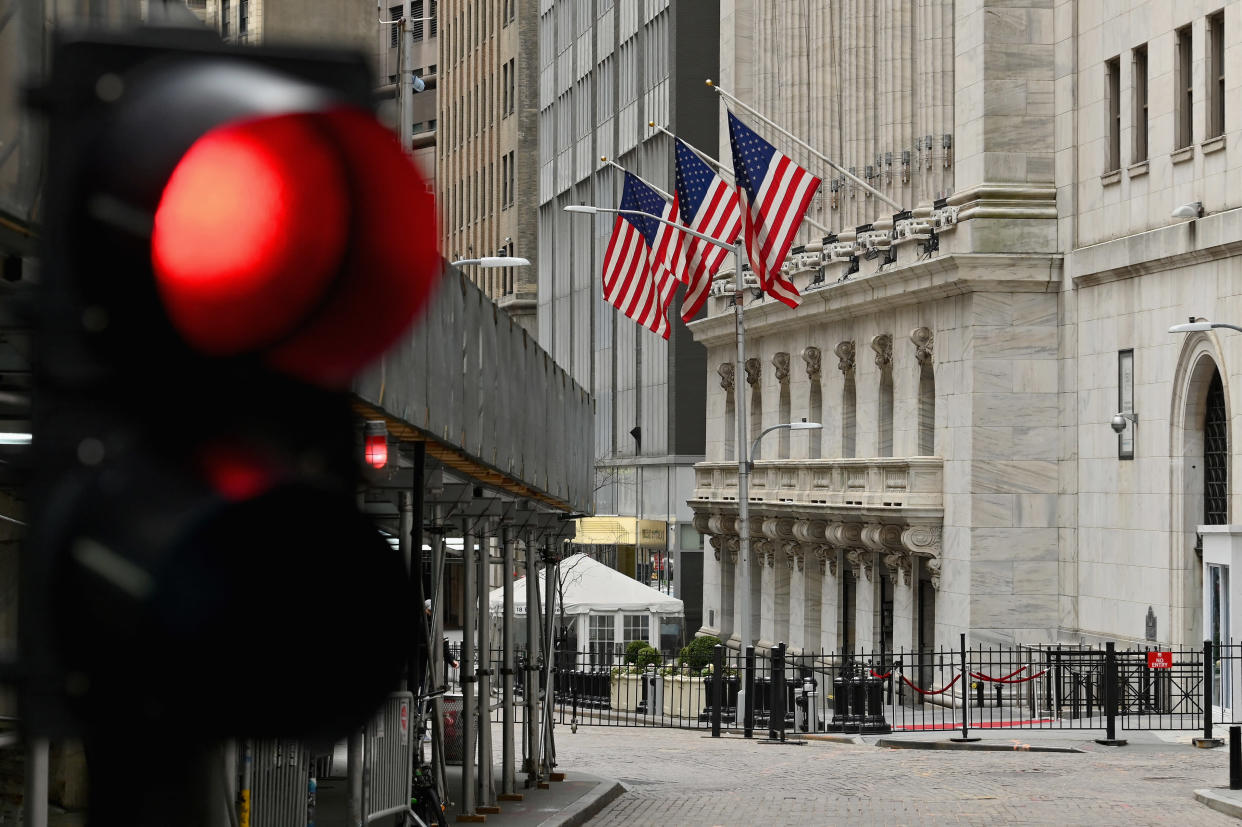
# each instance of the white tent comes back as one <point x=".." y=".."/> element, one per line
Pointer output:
<point x="593" y="589"/>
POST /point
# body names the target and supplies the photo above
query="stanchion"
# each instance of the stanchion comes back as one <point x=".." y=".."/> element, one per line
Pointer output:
<point x="1235" y="757"/>
<point x="1110" y="738"/>
<point x="965" y="736"/>
<point x="1207" y="741"/>
<point x="717" y="687"/>
<point x="748" y="719"/>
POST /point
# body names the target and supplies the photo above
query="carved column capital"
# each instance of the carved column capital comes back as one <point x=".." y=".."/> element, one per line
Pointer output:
<point x="827" y="557"/>
<point x="863" y="563"/>
<point x="733" y="545"/>
<point x="922" y="539"/>
<point x="765" y="550"/>
<point x="753" y="367"/>
<point x="923" y="340"/>
<point x="899" y="562"/>
<point x="718" y="543"/>
<point x="933" y="568"/>
<point x="812" y="357"/>
<point x="845" y="357"/>
<point x="779" y="528"/>
<point x="726" y="375"/>
<point x="780" y="363"/>
<point x="844" y="535"/>
<point x="794" y="555"/>
<point x="809" y="531"/>
<point x="881" y="537"/>
<point x="882" y="344"/>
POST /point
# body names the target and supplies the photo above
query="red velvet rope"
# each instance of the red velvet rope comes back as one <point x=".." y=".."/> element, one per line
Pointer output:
<point x="922" y="691"/>
<point x="875" y="674"/>
<point x="982" y="677"/>
<point x="1024" y="680"/>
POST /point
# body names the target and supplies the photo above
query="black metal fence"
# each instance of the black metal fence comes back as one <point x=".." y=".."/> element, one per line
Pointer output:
<point x="951" y="690"/>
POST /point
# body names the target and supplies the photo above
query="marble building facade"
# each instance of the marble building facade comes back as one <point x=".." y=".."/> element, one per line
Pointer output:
<point x="967" y="478"/>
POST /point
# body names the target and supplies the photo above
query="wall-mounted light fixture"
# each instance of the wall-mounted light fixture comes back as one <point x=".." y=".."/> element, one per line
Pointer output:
<point x="375" y="443"/>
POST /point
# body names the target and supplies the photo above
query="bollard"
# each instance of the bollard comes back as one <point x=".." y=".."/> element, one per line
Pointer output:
<point x="1110" y="698"/>
<point x="1207" y="690"/>
<point x="717" y="687"/>
<point x="748" y="719"/>
<point x="1235" y="757"/>
<point x="776" y="707"/>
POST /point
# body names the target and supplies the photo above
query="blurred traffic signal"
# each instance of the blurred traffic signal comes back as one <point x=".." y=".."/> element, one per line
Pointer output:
<point x="230" y="237"/>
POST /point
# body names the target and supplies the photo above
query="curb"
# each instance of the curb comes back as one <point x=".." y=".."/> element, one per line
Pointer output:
<point x="587" y="806"/>
<point x="834" y="739"/>
<point x="1213" y="799"/>
<point x="980" y="747"/>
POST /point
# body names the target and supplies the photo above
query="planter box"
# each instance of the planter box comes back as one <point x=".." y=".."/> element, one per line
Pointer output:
<point x="685" y="697"/>
<point x="625" y="692"/>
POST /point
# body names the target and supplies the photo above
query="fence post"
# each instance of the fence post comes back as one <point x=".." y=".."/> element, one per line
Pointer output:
<point x="1111" y="694"/>
<point x="717" y="687"/>
<point x="776" y="706"/>
<point x="965" y="697"/>
<point x="748" y="718"/>
<point x="1207" y="740"/>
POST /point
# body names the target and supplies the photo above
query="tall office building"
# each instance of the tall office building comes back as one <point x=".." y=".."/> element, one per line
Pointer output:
<point x="488" y="127"/>
<point x="606" y="70"/>
<point x="373" y="30"/>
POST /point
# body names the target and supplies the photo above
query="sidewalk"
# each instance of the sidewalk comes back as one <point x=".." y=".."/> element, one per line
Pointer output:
<point x="563" y="804"/>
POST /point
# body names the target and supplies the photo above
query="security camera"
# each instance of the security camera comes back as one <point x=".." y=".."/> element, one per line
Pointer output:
<point x="1118" y="423"/>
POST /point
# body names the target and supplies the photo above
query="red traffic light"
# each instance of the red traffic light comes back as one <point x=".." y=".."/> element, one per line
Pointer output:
<point x="308" y="237"/>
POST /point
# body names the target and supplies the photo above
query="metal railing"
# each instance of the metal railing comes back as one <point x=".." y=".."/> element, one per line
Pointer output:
<point x="951" y="690"/>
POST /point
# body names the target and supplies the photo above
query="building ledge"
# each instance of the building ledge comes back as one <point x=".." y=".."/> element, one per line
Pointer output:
<point x="1215" y="144"/>
<point x="1113" y="176"/>
<point x="1137" y="170"/>
<point x="1178" y="156"/>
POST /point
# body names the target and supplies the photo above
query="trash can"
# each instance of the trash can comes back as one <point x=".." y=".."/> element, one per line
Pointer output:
<point x="653" y="691"/>
<point x="454" y="737"/>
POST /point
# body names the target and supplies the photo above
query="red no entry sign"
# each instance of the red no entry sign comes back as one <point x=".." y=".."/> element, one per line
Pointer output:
<point x="1159" y="660"/>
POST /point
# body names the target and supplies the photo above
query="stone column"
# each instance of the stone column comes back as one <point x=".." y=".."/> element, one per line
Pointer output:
<point x="866" y="599"/>
<point x="796" y="637"/>
<point x="781" y="565"/>
<point x="903" y="572"/>
<point x="829" y="560"/>
<point x="767" y="607"/>
<point x="808" y="567"/>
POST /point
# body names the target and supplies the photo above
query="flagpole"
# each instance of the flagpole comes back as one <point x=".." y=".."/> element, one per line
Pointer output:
<point x="665" y="195"/>
<point x="808" y="148"/>
<point x="743" y="466"/>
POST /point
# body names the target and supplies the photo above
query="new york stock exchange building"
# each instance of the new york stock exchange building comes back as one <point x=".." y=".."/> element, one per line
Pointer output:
<point x="1015" y="446"/>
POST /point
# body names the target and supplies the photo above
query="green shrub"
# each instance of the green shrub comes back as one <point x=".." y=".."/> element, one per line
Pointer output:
<point x="647" y="656"/>
<point x="700" y="652"/>
<point x="632" y="650"/>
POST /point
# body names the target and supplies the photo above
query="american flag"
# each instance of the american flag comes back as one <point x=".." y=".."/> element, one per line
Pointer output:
<point x="775" y="193"/>
<point x="710" y="206"/>
<point x="637" y="277"/>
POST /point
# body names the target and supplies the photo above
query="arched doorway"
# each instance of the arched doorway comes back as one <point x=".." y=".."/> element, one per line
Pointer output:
<point x="1200" y="474"/>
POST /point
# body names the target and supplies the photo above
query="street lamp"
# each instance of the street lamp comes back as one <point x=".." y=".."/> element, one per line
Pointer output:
<point x="1202" y="326"/>
<point x="743" y="460"/>
<point x="493" y="261"/>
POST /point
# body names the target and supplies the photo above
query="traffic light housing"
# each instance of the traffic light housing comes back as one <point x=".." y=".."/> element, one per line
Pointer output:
<point x="230" y="237"/>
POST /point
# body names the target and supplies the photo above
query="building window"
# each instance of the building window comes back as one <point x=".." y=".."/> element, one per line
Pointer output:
<point x="1215" y="456"/>
<point x="394" y="14"/>
<point x="1139" y="113"/>
<point x="512" y="178"/>
<point x="435" y="16"/>
<point x="510" y="87"/>
<point x="817" y="415"/>
<point x="1125" y="401"/>
<point x="504" y="79"/>
<point x="1216" y="74"/>
<point x="1184" y="87"/>
<point x="636" y="627"/>
<point x="417" y="21"/>
<point x="602" y="630"/>
<point x="504" y="181"/>
<point x="1112" y="90"/>
<point x="243" y="17"/>
<point x="224" y="19"/>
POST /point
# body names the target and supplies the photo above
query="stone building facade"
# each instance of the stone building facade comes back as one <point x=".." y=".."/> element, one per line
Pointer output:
<point x="608" y="69"/>
<point x="488" y="144"/>
<point x="968" y="359"/>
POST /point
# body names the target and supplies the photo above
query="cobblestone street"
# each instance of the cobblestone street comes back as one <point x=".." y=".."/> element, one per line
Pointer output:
<point x="675" y="777"/>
